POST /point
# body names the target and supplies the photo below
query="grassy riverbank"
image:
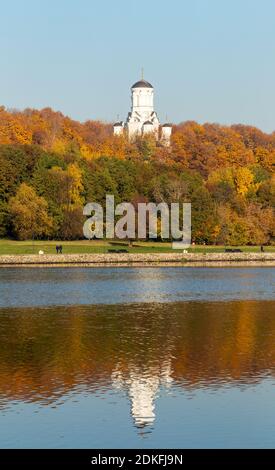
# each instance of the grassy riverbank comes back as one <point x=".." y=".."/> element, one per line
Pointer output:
<point x="12" y="247"/>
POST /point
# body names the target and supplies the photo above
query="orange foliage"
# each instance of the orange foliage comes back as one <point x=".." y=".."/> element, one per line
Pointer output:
<point x="204" y="148"/>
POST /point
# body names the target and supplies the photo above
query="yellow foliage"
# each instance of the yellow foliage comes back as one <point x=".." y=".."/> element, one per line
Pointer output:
<point x="76" y="186"/>
<point x="59" y="146"/>
<point x="223" y="175"/>
<point x="86" y="152"/>
<point x="29" y="214"/>
<point x="244" y="179"/>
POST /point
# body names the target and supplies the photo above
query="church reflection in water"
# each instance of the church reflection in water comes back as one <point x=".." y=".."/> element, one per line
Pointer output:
<point x="142" y="388"/>
<point x="47" y="354"/>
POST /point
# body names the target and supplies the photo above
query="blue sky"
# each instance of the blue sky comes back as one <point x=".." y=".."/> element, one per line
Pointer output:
<point x="209" y="60"/>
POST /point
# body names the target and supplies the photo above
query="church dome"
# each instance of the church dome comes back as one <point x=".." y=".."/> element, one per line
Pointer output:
<point x="142" y="84"/>
<point x="148" y="123"/>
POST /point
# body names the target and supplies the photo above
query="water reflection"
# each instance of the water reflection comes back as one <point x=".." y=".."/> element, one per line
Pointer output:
<point x="142" y="388"/>
<point x="85" y="286"/>
<point x="48" y="355"/>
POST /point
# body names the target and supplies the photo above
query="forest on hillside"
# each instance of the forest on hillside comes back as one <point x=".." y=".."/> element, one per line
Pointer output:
<point x="52" y="165"/>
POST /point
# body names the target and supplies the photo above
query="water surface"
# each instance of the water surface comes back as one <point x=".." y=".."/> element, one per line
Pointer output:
<point x="86" y="286"/>
<point x="169" y="357"/>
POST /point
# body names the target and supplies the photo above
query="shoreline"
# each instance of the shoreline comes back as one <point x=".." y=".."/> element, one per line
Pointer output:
<point x="140" y="259"/>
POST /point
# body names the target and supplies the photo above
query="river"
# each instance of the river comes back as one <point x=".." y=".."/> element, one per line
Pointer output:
<point x="137" y="357"/>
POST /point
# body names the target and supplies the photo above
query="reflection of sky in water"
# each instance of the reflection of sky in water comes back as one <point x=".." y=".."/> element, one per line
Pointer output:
<point x="68" y="286"/>
<point x="227" y="418"/>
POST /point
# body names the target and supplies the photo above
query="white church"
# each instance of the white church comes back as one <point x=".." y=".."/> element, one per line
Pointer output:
<point x="142" y="119"/>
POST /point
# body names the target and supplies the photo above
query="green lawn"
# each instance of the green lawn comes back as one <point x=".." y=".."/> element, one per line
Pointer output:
<point x="9" y="247"/>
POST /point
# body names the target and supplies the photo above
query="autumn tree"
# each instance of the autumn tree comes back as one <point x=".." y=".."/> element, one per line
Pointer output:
<point x="226" y="172"/>
<point x="29" y="214"/>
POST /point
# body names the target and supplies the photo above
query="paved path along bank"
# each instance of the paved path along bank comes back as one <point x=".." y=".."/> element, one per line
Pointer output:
<point x="137" y="259"/>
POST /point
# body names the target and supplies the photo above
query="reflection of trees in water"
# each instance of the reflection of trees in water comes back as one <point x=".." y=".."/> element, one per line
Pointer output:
<point x="45" y="353"/>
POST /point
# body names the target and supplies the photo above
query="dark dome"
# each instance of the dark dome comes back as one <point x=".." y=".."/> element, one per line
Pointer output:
<point x="142" y="84"/>
<point x="167" y="125"/>
<point x="148" y="123"/>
